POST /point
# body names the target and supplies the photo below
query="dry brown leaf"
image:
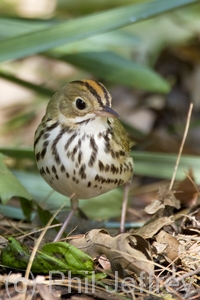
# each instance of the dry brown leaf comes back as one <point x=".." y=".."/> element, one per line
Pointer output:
<point x="127" y="253"/>
<point x="186" y="191"/>
<point x="153" y="207"/>
<point x="152" y="227"/>
<point x="160" y="248"/>
<point x="165" y="198"/>
<point x="172" y="245"/>
<point x="191" y="222"/>
<point x="189" y="252"/>
<point x="104" y="262"/>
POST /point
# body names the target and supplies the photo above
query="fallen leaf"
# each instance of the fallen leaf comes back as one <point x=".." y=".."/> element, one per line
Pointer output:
<point x="104" y="262"/>
<point x="57" y="256"/>
<point x="166" y="199"/>
<point x="127" y="253"/>
<point x="10" y="185"/>
<point x="153" y="207"/>
<point x="149" y="229"/>
<point x="172" y="245"/>
<point x="186" y="191"/>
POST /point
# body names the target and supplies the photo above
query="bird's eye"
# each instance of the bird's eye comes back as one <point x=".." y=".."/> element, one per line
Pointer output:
<point x="80" y="104"/>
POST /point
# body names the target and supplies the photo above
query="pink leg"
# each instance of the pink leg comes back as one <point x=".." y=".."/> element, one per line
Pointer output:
<point x="74" y="207"/>
<point x="124" y="206"/>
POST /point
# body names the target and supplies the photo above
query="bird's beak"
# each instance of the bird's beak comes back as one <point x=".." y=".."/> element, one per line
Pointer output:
<point x="106" y="111"/>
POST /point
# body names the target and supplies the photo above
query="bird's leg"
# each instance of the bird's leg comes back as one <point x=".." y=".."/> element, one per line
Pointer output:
<point x="124" y="206"/>
<point x="74" y="207"/>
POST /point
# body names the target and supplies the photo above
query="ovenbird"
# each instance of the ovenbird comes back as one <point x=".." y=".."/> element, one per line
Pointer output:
<point x="80" y="146"/>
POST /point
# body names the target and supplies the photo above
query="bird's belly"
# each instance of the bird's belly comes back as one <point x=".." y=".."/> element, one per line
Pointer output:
<point x="86" y="182"/>
<point x="83" y="167"/>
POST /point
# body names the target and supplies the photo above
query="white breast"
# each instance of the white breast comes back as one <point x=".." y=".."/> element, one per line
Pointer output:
<point x="77" y="161"/>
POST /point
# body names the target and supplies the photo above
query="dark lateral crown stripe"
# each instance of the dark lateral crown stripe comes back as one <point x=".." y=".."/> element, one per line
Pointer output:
<point x="105" y="92"/>
<point x="92" y="90"/>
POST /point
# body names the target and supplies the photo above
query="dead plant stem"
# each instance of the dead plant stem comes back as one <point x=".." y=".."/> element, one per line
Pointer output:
<point x="182" y="145"/>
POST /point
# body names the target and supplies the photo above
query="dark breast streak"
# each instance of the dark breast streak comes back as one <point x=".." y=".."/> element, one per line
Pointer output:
<point x="44" y="134"/>
<point x="93" y="155"/>
<point x="54" y="146"/>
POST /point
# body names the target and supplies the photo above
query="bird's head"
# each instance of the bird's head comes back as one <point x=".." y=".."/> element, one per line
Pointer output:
<point x="79" y="101"/>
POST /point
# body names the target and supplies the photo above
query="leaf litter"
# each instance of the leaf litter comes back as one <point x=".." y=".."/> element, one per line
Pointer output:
<point x="160" y="259"/>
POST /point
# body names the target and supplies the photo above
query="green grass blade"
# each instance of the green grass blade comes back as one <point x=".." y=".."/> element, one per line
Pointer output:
<point x="10" y="27"/>
<point x="117" y="69"/>
<point x="84" y="27"/>
<point x="162" y="165"/>
<point x="25" y="153"/>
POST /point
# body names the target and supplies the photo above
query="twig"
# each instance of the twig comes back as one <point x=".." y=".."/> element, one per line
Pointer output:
<point x="188" y="275"/>
<point x="37" y="231"/>
<point x="182" y="144"/>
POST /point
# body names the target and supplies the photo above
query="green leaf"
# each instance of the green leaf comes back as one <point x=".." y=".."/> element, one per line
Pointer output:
<point x="117" y="69"/>
<point x="115" y="39"/>
<point x="9" y="184"/>
<point x="69" y="257"/>
<point x="45" y="216"/>
<point x="15" y="254"/>
<point x="41" y="191"/>
<point x="25" y="153"/>
<point x="27" y="208"/>
<point x="162" y="165"/>
<point x="109" y="204"/>
<point x="14" y="27"/>
<point x="14" y="212"/>
<point x="81" y="28"/>
<point x="59" y="256"/>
